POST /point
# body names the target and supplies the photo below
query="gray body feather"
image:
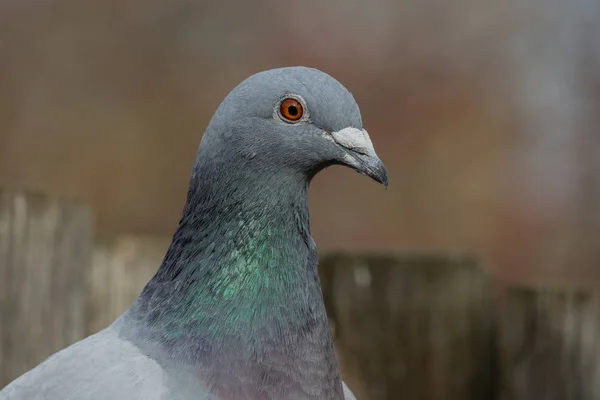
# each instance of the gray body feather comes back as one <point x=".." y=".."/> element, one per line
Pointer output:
<point x="105" y="366"/>
<point x="100" y="367"/>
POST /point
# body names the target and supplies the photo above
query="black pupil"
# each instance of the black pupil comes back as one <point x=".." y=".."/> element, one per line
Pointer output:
<point x="293" y="111"/>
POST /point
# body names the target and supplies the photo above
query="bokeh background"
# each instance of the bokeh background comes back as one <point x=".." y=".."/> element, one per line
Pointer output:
<point x="486" y="114"/>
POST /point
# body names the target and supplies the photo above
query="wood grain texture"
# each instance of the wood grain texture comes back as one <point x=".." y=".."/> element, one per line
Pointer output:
<point x="121" y="266"/>
<point x="44" y="250"/>
<point x="549" y="347"/>
<point x="411" y="326"/>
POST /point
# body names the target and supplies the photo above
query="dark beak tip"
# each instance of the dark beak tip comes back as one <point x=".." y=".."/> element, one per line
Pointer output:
<point x="384" y="182"/>
<point x="379" y="174"/>
<point x="371" y="166"/>
<point x="383" y="175"/>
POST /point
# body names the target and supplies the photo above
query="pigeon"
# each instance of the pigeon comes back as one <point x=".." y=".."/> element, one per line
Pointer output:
<point x="235" y="310"/>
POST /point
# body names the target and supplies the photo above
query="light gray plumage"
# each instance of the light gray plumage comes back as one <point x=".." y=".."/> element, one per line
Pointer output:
<point x="235" y="310"/>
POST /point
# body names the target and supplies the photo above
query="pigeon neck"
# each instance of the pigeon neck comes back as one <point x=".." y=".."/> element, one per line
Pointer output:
<point x="240" y="273"/>
<point x="237" y="300"/>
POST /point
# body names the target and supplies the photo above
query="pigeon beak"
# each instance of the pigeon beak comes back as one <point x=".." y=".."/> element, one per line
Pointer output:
<point x="360" y="153"/>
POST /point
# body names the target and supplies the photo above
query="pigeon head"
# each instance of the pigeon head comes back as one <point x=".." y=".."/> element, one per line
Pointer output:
<point x="290" y="121"/>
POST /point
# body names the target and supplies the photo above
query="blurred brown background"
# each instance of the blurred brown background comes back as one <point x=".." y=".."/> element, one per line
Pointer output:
<point x="486" y="114"/>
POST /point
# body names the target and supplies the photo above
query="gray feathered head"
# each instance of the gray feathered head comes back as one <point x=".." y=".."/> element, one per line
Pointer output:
<point x="292" y="120"/>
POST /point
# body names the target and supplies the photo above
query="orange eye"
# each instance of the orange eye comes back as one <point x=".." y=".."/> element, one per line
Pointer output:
<point x="291" y="109"/>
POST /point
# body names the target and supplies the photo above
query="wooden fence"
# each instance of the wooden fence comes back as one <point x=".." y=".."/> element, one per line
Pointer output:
<point x="406" y="326"/>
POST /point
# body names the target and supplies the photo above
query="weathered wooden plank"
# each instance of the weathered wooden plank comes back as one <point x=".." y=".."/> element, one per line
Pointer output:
<point x="44" y="250"/>
<point x="121" y="266"/>
<point x="412" y="326"/>
<point x="550" y="346"/>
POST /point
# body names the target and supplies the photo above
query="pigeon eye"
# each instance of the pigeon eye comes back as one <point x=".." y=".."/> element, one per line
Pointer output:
<point x="291" y="110"/>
